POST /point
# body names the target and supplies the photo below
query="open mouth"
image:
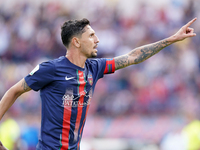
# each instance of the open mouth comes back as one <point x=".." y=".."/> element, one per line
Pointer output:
<point x="95" y="46"/>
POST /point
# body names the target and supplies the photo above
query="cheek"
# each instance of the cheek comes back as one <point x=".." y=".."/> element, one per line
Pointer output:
<point x="88" y="44"/>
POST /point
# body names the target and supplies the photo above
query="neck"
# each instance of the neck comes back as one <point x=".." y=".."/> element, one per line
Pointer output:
<point x="76" y="58"/>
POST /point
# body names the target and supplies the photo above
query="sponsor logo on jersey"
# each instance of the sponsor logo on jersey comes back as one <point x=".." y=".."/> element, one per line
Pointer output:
<point x="70" y="101"/>
<point x="66" y="78"/>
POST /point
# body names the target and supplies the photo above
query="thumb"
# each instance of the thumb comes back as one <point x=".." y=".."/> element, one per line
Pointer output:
<point x="190" y="32"/>
<point x="191" y="35"/>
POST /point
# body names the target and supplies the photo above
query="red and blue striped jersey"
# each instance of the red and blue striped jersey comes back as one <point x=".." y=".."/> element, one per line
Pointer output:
<point x="66" y="91"/>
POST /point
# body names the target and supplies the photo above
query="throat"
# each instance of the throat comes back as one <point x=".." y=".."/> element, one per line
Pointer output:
<point x="76" y="61"/>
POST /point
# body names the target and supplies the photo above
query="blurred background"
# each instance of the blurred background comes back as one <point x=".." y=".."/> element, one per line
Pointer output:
<point x="153" y="105"/>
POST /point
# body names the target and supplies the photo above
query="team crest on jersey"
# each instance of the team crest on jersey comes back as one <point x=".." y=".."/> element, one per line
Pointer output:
<point x="90" y="79"/>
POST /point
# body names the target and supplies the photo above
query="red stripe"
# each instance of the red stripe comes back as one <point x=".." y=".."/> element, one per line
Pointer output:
<point x="83" y="124"/>
<point x="66" y="128"/>
<point x="106" y="68"/>
<point x="112" y="62"/>
<point x="81" y="101"/>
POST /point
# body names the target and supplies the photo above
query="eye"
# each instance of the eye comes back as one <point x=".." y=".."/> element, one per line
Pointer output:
<point x="91" y="35"/>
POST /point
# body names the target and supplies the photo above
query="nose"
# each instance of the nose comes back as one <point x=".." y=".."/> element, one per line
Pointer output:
<point x="97" y="39"/>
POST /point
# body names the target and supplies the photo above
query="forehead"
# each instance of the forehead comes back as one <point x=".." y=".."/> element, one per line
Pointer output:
<point x="88" y="30"/>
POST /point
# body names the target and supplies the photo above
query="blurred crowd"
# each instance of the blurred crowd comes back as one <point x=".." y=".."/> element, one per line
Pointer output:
<point x="163" y="90"/>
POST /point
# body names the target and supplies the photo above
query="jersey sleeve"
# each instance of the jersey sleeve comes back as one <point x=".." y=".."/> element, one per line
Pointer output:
<point x="40" y="76"/>
<point x="109" y="66"/>
<point x="103" y="66"/>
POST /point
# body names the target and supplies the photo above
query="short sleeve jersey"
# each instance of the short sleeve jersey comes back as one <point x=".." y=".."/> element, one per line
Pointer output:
<point x="66" y="91"/>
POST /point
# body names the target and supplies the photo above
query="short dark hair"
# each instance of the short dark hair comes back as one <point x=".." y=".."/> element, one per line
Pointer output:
<point x="72" y="28"/>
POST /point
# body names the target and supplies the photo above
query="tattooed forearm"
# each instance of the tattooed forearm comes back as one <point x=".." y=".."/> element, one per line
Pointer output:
<point x="25" y="86"/>
<point x="142" y="53"/>
<point x="121" y="62"/>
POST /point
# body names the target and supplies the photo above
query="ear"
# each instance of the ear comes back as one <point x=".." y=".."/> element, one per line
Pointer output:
<point x="76" y="42"/>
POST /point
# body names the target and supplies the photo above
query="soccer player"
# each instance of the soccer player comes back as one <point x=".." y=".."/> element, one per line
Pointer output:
<point x="67" y="83"/>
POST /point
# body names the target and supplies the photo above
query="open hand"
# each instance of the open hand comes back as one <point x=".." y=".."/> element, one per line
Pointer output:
<point x="185" y="32"/>
<point x="2" y="147"/>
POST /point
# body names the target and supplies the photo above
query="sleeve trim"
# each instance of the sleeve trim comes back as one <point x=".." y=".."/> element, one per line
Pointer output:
<point x="110" y="66"/>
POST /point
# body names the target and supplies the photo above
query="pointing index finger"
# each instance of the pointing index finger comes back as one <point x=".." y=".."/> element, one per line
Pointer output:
<point x="191" y="22"/>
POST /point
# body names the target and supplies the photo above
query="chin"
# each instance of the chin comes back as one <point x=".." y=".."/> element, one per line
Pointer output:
<point x="93" y="55"/>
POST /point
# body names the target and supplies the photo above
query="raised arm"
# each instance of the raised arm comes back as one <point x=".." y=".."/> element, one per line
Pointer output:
<point x="11" y="95"/>
<point x="142" y="53"/>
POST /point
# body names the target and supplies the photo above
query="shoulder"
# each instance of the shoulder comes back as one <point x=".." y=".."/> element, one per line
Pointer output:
<point x="57" y="60"/>
<point x="51" y="65"/>
<point x="54" y="62"/>
<point x="96" y="65"/>
<point x="95" y="61"/>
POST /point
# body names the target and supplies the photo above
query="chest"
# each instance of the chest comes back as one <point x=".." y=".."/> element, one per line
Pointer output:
<point x="74" y="82"/>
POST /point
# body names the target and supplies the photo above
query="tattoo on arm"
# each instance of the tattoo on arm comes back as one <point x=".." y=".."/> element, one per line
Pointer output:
<point x="121" y="62"/>
<point x="147" y="51"/>
<point x="140" y="54"/>
<point x="25" y="86"/>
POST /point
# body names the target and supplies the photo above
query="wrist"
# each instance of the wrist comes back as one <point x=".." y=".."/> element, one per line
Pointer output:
<point x="172" y="39"/>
